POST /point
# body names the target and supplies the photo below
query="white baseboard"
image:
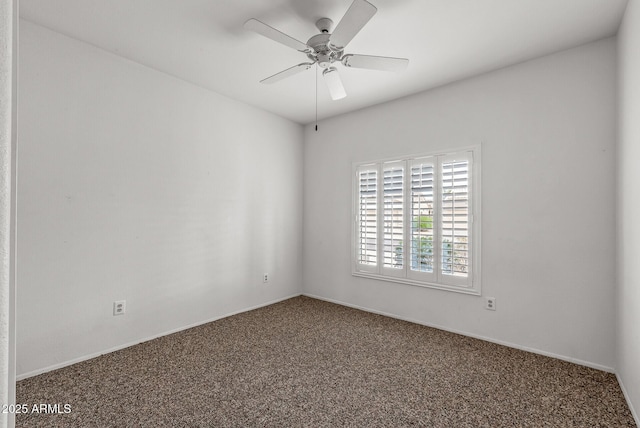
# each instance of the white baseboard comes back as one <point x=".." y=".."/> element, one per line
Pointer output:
<point x="475" y="336"/>
<point x="146" y="339"/>
<point x="626" y="396"/>
<point x="338" y="302"/>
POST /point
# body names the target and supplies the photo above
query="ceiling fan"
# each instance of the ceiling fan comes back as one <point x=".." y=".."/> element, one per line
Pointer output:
<point x="327" y="49"/>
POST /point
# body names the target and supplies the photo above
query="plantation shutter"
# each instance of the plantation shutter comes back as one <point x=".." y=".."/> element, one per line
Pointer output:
<point x="422" y="211"/>
<point x="414" y="220"/>
<point x="455" y="219"/>
<point x="393" y="218"/>
<point x="367" y="219"/>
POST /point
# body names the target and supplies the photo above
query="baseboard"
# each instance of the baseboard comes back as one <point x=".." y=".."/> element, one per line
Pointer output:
<point x="626" y="396"/>
<point x="338" y="302"/>
<point x="464" y="333"/>
<point x="126" y="345"/>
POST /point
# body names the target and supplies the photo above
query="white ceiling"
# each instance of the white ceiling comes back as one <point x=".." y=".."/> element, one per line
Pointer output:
<point x="204" y="42"/>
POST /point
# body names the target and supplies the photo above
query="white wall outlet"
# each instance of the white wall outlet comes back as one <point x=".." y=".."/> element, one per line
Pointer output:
<point x="119" y="307"/>
<point x="265" y="278"/>
<point x="490" y="303"/>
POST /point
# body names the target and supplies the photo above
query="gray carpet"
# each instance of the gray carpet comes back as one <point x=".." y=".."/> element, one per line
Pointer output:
<point x="309" y="363"/>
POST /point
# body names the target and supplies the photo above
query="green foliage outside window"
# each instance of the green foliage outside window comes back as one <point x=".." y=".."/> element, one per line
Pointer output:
<point x="423" y="222"/>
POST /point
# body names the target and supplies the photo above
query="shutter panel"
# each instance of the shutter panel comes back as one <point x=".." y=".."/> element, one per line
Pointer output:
<point x="393" y="217"/>
<point x="455" y="222"/>
<point x="422" y="212"/>
<point x="367" y="218"/>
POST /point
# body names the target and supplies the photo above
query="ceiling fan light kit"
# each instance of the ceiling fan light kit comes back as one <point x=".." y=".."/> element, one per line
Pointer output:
<point x="334" y="83"/>
<point x="327" y="48"/>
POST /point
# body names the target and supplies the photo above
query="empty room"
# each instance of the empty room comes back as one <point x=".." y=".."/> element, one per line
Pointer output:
<point x="320" y="213"/>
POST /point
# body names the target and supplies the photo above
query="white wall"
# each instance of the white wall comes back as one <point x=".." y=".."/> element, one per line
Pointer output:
<point x="8" y="99"/>
<point x="136" y="185"/>
<point x="628" y="249"/>
<point x="548" y="133"/>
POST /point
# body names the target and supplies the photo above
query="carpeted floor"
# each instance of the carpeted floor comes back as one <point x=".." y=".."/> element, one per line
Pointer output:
<point x="309" y="363"/>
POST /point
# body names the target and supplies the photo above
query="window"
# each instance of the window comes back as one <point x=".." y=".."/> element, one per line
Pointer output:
<point x="416" y="220"/>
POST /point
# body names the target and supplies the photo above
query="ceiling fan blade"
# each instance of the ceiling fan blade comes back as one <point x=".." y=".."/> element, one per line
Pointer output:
<point x="275" y="35"/>
<point x="288" y="72"/>
<point x="334" y="83"/>
<point x="358" y="14"/>
<point x="383" y="63"/>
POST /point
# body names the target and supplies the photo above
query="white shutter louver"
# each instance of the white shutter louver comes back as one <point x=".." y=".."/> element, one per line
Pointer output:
<point x="455" y="218"/>
<point x="393" y="212"/>
<point x="367" y="242"/>
<point x="422" y="212"/>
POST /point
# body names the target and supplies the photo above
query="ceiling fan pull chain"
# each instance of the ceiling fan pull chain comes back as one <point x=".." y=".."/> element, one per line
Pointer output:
<point x="316" y="97"/>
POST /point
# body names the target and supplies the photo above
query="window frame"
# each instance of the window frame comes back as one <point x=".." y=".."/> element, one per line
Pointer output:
<point x="405" y="275"/>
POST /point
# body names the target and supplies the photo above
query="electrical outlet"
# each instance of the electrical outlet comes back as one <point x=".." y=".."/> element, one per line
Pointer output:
<point x="265" y="278"/>
<point x="119" y="307"/>
<point x="490" y="303"/>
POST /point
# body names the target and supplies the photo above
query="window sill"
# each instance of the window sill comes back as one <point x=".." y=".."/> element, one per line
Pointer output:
<point x="445" y="287"/>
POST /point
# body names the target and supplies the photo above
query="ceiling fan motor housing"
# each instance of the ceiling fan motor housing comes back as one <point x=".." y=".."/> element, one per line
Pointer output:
<point x="322" y="53"/>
